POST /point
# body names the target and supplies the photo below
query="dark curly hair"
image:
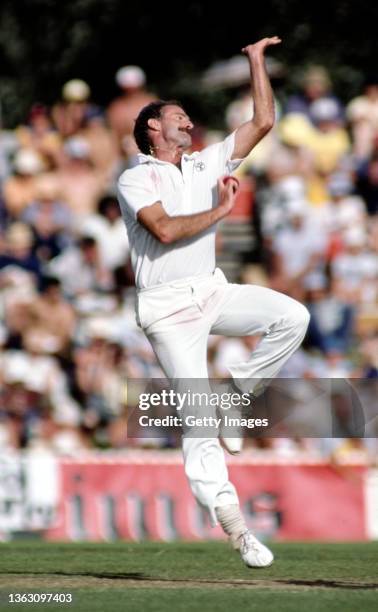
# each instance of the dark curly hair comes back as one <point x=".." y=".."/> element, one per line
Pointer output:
<point x="151" y="111"/>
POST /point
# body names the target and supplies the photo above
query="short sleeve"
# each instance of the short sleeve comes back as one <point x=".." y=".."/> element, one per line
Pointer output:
<point x="227" y="150"/>
<point x="217" y="157"/>
<point x="136" y="190"/>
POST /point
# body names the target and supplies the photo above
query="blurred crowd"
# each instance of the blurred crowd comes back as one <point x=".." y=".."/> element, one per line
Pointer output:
<point x="68" y="336"/>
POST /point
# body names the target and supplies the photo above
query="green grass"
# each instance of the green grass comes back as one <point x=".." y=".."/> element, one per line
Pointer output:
<point x="159" y="577"/>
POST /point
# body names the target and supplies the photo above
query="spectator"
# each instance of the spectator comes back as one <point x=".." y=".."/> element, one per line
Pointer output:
<point x="80" y="270"/>
<point x="362" y="113"/>
<point x="52" y="318"/>
<point x="108" y="229"/>
<point x="69" y="114"/>
<point x="80" y="183"/>
<point x="123" y="110"/>
<point x="327" y="139"/>
<point x="331" y="319"/>
<point x="103" y="150"/>
<point x="98" y="381"/>
<point x="40" y="135"/>
<point x="19" y="249"/>
<point x="19" y="189"/>
<point x="356" y="269"/>
<point x="345" y="209"/>
<point x="299" y="249"/>
<point x="316" y="84"/>
<point x="50" y="218"/>
<point x="43" y="390"/>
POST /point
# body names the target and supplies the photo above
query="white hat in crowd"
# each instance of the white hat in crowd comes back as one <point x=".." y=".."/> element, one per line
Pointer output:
<point x="297" y="207"/>
<point x="355" y="237"/>
<point x="76" y="90"/>
<point x="100" y="328"/>
<point x="325" y="109"/>
<point x="28" y="161"/>
<point x="16" y="367"/>
<point x="291" y="187"/>
<point x="77" y="147"/>
<point x="130" y="76"/>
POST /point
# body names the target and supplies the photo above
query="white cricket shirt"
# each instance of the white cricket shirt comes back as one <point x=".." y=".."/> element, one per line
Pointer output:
<point x="186" y="192"/>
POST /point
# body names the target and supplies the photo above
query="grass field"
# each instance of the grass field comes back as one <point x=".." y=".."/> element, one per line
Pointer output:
<point x="183" y="577"/>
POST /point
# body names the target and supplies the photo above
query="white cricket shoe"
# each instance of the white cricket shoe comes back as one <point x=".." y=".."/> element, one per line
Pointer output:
<point x="253" y="553"/>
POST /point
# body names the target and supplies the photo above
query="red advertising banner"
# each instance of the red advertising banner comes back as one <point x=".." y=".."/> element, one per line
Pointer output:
<point x="133" y="499"/>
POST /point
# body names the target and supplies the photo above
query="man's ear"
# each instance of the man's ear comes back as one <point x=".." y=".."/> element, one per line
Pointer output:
<point x="154" y="124"/>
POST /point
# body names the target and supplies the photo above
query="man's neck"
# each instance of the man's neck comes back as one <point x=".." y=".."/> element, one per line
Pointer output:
<point x="168" y="154"/>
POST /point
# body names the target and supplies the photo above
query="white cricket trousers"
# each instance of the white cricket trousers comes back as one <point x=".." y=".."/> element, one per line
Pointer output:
<point x="178" y="317"/>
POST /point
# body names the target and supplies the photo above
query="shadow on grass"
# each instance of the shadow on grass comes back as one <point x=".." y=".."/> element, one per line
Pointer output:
<point x="139" y="576"/>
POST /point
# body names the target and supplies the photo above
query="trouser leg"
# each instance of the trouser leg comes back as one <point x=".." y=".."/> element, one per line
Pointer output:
<point x="252" y="310"/>
<point x="181" y="349"/>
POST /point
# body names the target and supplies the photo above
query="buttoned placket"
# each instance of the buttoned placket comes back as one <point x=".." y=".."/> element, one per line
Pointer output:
<point x="185" y="176"/>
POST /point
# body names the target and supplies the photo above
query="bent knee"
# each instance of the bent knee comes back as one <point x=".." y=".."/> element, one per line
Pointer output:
<point x="301" y="316"/>
<point x="298" y="316"/>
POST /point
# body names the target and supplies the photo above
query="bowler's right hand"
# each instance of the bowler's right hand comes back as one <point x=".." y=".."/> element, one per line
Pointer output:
<point x="228" y="187"/>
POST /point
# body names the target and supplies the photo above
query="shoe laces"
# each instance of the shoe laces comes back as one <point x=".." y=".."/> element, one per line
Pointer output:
<point x="248" y="542"/>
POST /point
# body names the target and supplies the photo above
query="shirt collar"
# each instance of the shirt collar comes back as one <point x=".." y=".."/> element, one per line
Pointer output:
<point x="146" y="159"/>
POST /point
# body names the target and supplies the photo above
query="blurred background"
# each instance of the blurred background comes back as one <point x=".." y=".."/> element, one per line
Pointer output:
<point x="73" y="77"/>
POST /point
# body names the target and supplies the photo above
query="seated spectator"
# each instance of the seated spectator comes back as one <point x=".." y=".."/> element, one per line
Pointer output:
<point x="69" y="114"/>
<point x="80" y="183"/>
<point x="39" y="134"/>
<point x="356" y="269"/>
<point x="362" y="113"/>
<point x="50" y="218"/>
<point x="38" y="388"/>
<point x="331" y="141"/>
<point x="331" y="319"/>
<point x="80" y="270"/>
<point x="123" y="110"/>
<point x="108" y="229"/>
<point x="344" y="209"/>
<point x="327" y="138"/>
<point x="40" y="373"/>
<point x="19" y="189"/>
<point x="17" y="292"/>
<point x="52" y="317"/>
<point x="21" y="410"/>
<point x="18" y="250"/>
<point x="99" y="384"/>
<point x="299" y="250"/>
<point x="103" y="149"/>
<point x="276" y="199"/>
<point x="315" y="84"/>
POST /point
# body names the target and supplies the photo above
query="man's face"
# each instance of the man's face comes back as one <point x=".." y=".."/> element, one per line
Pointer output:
<point x="176" y="126"/>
